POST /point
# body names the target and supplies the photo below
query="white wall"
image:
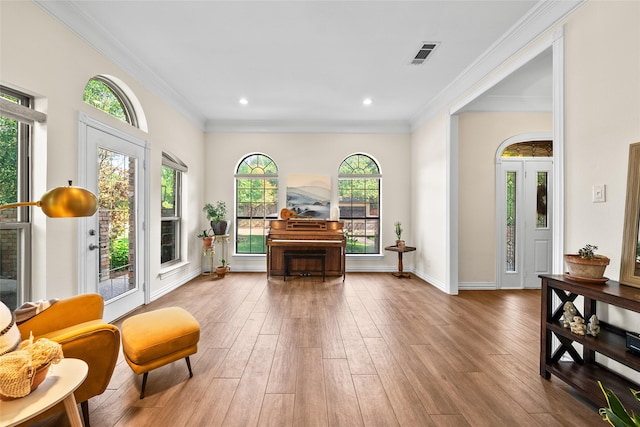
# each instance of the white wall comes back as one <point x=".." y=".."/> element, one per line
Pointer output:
<point x="429" y="200"/>
<point x="317" y="154"/>
<point x="41" y="57"/>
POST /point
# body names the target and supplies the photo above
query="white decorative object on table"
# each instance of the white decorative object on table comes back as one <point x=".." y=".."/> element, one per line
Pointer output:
<point x="569" y="310"/>
<point x="593" y="328"/>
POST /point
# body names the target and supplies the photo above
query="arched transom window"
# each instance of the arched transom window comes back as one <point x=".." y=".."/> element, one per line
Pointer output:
<point x="107" y="96"/>
<point x="359" y="200"/>
<point x="256" y="202"/>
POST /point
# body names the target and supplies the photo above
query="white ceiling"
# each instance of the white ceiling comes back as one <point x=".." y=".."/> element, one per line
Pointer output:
<point x="304" y="62"/>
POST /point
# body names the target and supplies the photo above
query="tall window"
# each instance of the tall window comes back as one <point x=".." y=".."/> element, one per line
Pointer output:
<point x="256" y="202"/>
<point x="359" y="201"/>
<point x="105" y="95"/>
<point x="171" y="209"/>
<point x="15" y="225"/>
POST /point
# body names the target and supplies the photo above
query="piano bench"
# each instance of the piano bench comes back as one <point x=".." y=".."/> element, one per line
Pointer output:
<point x="320" y="254"/>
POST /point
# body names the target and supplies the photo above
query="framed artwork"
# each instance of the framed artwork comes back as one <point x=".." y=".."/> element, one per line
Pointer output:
<point x="309" y="195"/>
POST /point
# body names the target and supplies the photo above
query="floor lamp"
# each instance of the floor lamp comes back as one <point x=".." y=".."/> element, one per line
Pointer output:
<point x="63" y="202"/>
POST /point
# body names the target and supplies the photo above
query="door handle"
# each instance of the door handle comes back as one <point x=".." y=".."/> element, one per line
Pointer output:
<point x="93" y="247"/>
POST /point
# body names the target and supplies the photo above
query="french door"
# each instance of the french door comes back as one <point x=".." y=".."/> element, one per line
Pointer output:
<point x="112" y="243"/>
<point x="524" y="215"/>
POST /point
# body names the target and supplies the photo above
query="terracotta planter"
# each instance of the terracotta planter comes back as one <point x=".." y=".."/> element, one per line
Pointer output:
<point x="206" y="242"/>
<point x="222" y="270"/>
<point x="589" y="269"/>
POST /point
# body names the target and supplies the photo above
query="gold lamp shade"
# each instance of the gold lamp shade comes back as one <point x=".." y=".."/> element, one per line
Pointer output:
<point x="64" y="202"/>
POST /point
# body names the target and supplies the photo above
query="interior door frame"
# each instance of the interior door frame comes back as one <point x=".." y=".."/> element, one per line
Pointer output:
<point x="84" y="121"/>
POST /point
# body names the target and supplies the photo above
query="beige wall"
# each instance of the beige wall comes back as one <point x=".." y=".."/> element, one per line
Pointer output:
<point x="317" y="154"/>
<point x="480" y="135"/>
<point x="43" y="58"/>
<point x="602" y="119"/>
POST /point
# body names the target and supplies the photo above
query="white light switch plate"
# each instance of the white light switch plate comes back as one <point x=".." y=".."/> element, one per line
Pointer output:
<point x="599" y="195"/>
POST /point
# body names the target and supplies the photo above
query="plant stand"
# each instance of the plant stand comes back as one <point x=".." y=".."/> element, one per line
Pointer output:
<point x="208" y="253"/>
<point x="400" y="250"/>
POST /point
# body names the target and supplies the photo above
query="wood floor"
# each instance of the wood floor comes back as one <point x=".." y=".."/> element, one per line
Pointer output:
<point x="373" y="350"/>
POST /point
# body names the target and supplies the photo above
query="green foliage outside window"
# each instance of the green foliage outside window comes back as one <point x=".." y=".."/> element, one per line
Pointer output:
<point x="8" y="157"/>
<point x="101" y="96"/>
<point x="168" y="191"/>
<point x="119" y="253"/>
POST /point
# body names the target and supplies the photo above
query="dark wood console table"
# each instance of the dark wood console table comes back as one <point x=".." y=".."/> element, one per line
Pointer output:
<point x="400" y="273"/>
<point x="583" y="372"/>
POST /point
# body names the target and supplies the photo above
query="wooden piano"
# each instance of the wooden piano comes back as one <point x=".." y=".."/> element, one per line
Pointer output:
<point x="306" y="235"/>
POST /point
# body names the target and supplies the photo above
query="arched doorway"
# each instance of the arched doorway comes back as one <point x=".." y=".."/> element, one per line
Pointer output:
<point x="524" y="210"/>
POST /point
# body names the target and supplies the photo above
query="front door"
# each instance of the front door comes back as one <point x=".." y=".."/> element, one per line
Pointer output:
<point x="112" y="242"/>
<point x="524" y="222"/>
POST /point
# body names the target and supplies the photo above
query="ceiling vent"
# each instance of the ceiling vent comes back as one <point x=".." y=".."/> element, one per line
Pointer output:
<point x="423" y="53"/>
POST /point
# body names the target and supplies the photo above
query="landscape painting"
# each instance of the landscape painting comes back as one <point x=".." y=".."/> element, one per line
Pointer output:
<point x="309" y="195"/>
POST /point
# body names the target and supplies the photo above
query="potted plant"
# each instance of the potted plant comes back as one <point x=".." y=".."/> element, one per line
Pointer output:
<point x="207" y="239"/>
<point x="615" y="412"/>
<point x="217" y="214"/>
<point x="586" y="264"/>
<point x="398" y="229"/>
<point x="222" y="269"/>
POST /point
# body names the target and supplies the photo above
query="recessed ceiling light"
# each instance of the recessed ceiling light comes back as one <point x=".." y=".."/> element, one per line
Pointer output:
<point x="367" y="101"/>
<point x="243" y="101"/>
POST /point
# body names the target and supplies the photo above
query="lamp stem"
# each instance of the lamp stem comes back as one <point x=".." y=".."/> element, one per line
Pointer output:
<point x="17" y="205"/>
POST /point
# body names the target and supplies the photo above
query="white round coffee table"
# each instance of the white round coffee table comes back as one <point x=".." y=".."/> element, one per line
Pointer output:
<point x="62" y="380"/>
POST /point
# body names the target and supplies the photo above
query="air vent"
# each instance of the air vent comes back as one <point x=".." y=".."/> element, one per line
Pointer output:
<point x="423" y="53"/>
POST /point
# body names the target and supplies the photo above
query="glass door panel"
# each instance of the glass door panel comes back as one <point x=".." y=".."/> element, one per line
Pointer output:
<point x="116" y="223"/>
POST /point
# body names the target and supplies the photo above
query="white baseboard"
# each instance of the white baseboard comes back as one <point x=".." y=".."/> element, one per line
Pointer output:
<point x="477" y="286"/>
<point x="173" y="285"/>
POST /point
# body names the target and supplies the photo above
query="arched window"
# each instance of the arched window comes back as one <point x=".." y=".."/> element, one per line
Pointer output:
<point x="529" y="149"/>
<point x="256" y="202"/>
<point x="106" y="95"/>
<point x="359" y="200"/>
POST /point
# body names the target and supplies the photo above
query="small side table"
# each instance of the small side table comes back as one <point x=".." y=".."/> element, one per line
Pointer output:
<point x="61" y="381"/>
<point x="400" y="273"/>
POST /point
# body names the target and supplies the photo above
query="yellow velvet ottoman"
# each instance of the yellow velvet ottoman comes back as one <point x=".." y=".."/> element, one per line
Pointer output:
<point x="154" y="339"/>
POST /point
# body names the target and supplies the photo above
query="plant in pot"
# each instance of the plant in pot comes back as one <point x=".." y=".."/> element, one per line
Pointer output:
<point x="615" y="412"/>
<point x="217" y="214"/>
<point x="223" y="268"/>
<point x="207" y="238"/>
<point x="398" y="230"/>
<point x="586" y="265"/>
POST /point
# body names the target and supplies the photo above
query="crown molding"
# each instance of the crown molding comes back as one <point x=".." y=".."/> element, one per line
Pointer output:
<point x="540" y="18"/>
<point x="526" y="104"/>
<point x="301" y="126"/>
<point x="104" y="42"/>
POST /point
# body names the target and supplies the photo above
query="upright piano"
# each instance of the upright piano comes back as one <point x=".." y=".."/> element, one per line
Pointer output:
<point x="306" y="235"/>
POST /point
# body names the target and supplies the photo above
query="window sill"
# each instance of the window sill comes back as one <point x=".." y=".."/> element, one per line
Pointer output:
<point x="365" y="255"/>
<point x="172" y="269"/>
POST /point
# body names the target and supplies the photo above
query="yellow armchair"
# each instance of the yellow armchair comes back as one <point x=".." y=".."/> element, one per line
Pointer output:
<point x="76" y="323"/>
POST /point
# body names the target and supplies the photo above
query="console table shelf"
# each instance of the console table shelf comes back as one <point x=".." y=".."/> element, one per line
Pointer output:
<point x="583" y="372"/>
